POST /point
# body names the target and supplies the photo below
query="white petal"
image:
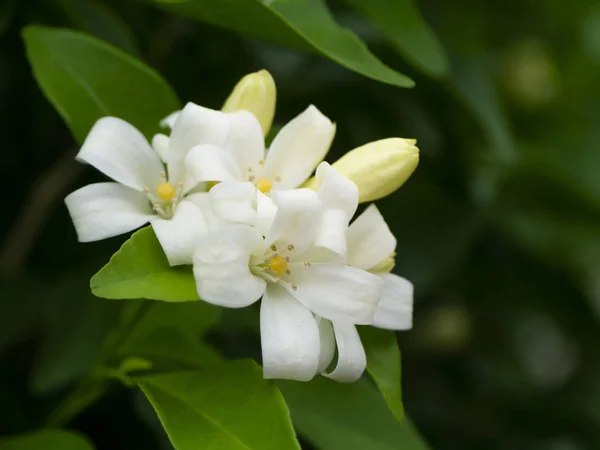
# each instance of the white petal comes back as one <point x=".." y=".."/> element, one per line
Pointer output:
<point x="245" y="142"/>
<point x="234" y="201"/>
<point x="211" y="163"/>
<point x="298" y="148"/>
<point x="337" y="292"/>
<point x="336" y="191"/>
<point x="203" y="201"/>
<point x="395" y="308"/>
<point x="221" y="266"/>
<point x="160" y="144"/>
<point x="297" y="219"/>
<point x="327" y="343"/>
<point x="352" y="359"/>
<point x="103" y="210"/>
<point x="120" y="151"/>
<point x="194" y="126"/>
<point x="265" y="212"/>
<point x="289" y="337"/>
<point x="169" y="121"/>
<point x="370" y="240"/>
<point x="179" y="235"/>
<point x="332" y="232"/>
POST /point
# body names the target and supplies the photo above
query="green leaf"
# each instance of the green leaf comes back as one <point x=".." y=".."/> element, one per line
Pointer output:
<point x="407" y="32"/>
<point x="140" y="270"/>
<point x="45" y="440"/>
<point x="302" y="24"/>
<point x="86" y="79"/>
<point x="98" y="19"/>
<point x="335" y="416"/>
<point x="383" y="364"/>
<point x="228" y="407"/>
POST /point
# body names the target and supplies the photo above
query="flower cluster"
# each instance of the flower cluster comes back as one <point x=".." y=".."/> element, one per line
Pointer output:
<point x="255" y="226"/>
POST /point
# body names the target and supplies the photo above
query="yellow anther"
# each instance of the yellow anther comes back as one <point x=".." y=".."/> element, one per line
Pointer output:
<point x="264" y="185"/>
<point x="278" y="265"/>
<point x="165" y="191"/>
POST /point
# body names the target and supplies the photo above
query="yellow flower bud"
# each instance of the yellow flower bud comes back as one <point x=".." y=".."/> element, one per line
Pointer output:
<point x="256" y="93"/>
<point x="377" y="168"/>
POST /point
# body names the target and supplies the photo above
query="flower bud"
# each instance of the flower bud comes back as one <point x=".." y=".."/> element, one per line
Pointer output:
<point x="256" y="93"/>
<point x="377" y="168"/>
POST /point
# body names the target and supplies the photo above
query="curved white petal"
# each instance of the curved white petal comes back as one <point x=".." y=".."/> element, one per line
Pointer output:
<point x="203" y="201"/>
<point x="265" y="212"/>
<point x="298" y="148"/>
<point x="103" y="210"/>
<point x="370" y="240"/>
<point x="169" y="121"/>
<point x="179" y="235"/>
<point x="395" y="308"/>
<point x="234" y="201"/>
<point x="352" y="359"/>
<point x="211" y="163"/>
<point x="160" y="144"/>
<point x="120" y="151"/>
<point x="195" y="125"/>
<point x="246" y="143"/>
<point x="337" y="292"/>
<point x="297" y="219"/>
<point x="327" y="343"/>
<point x="336" y="191"/>
<point x="332" y="232"/>
<point x="221" y="266"/>
<point x="289" y="337"/>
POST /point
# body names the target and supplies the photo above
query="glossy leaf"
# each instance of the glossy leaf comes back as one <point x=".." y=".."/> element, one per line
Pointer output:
<point x="228" y="407"/>
<point x="302" y="24"/>
<point x="336" y="416"/>
<point x="86" y="79"/>
<point x="409" y="34"/>
<point x="383" y="364"/>
<point x="140" y="270"/>
<point x="45" y="440"/>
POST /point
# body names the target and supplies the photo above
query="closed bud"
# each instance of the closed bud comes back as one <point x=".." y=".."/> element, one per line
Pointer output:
<point x="377" y="168"/>
<point x="256" y="93"/>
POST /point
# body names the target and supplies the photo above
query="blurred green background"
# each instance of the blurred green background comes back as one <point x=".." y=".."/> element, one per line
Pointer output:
<point x="499" y="228"/>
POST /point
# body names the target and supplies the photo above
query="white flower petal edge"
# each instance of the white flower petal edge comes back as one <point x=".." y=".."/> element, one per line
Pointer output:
<point x="160" y="144"/>
<point x="221" y="266"/>
<point x="370" y="240"/>
<point x="289" y="337"/>
<point x="234" y="202"/>
<point x="298" y="148"/>
<point x="352" y="359"/>
<point x="395" y="308"/>
<point x="178" y="235"/>
<point x="169" y="121"/>
<point x="211" y="163"/>
<point x="203" y="201"/>
<point x="327" y="343"/>
<point x="103" y="210"/>
<point x="337" y="292"/>
<point x="120" y="151"/>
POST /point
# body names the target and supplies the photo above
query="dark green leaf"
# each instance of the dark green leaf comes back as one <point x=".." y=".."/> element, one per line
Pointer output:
<point x="383" y="364"/>
<point x="406" y="30"/>
<point x="86" y="79"/>
<point x="302" y="24"/>
<point x="335" y="416"/>
<point x="228" y="407"/>
<point x="46" y="440"/>
<point x="140" y="270"/>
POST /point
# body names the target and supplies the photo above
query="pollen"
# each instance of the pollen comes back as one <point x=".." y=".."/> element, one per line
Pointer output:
<point x="264" y="185"/>
<point x="165" y="191"/>
<point x="278" y="265"/>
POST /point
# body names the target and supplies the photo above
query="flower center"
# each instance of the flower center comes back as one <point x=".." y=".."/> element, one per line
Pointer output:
<point x="165" y="191"/>
<point x="264" y="185"/>
<point x="278" y="265"/>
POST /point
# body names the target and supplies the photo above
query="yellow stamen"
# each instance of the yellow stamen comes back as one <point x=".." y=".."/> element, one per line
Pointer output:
<point x="264" y="185"/>
<point x="165" y="191"/>
<point x="278" y="265"/>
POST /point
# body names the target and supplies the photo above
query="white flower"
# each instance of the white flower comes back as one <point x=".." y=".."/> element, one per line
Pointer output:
<point x="294" y="153"/>
<point x="370" y="246"/>
<point x="235" y="266"/>
<point x="146" y="189"/>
